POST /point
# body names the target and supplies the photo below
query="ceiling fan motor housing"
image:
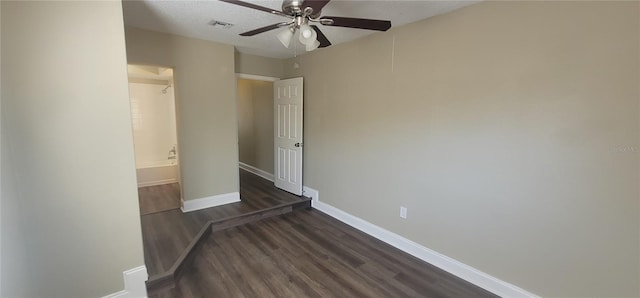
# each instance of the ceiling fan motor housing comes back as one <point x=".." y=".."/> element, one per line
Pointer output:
<point x="294" y="8"/>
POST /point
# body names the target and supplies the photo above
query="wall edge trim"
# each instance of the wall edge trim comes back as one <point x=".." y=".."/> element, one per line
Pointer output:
<point x="457" y="268"/>
<point x="262" y="173"/>
<point x="256" y="77"/>
<point x="157" y="182"/>
<point x="134" y="284"/>
<point x="211" y="201"/>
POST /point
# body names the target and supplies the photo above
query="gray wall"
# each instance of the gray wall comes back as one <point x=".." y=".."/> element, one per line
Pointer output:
<point x="258" y="65"/>
<point x="255" y="123"/>
<point x="70" y="218"/>
<point x="206" y="107"/>
<point x="508" y="130"/>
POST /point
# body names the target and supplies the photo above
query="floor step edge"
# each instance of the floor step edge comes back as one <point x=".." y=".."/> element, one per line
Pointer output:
<point x="167" y="280"/>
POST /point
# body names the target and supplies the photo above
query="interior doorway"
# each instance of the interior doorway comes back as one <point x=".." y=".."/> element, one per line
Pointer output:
<point x="153" y="115"/>
<point x="255" y="125"/>
<point x="270" y="132"/>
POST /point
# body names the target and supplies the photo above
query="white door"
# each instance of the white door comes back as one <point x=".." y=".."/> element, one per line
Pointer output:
<point x="287" y="108"/>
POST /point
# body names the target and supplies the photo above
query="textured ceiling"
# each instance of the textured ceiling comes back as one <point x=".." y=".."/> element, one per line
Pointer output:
<point x="192" y="18"/>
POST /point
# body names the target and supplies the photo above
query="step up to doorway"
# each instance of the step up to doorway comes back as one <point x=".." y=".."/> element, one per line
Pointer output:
<point x="167" y="280"/>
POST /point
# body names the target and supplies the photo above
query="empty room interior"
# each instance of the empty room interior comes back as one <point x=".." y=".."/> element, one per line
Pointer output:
<point x="316" y="148"/>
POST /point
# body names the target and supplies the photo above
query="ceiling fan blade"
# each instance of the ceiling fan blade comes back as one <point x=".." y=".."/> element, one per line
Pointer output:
<point x="317" y="5"/>
<point x="379" y="25"/>
<point x="254" y="6"/>
<point x="324" y="42"/>
<point x="263" y="29"/>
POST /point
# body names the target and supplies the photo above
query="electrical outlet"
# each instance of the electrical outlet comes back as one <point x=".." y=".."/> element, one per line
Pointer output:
<point x="403" y="212"/>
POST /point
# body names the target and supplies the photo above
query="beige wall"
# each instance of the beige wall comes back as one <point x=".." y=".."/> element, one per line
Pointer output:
<point x="507" y="129"/>
<point x="67" y="159"/>
<point x="14" y="275"/>
<point x="255" y="123"/>
<point x="258" y="65"/>
<point x="206" y="107"/>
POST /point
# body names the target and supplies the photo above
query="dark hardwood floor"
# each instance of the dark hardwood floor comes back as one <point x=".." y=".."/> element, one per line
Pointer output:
<point x="166" y="234"/>
<point x="309" y="254"/>
<point x="158" y="198"/>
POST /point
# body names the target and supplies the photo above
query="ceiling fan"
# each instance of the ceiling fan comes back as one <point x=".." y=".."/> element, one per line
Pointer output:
<point x="303" y="12"/>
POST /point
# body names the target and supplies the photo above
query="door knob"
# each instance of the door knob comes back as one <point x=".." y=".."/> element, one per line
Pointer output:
<point x="298" y="145"/>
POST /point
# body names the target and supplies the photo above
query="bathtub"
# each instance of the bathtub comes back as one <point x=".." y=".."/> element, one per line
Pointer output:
<point x="157" y="173"/>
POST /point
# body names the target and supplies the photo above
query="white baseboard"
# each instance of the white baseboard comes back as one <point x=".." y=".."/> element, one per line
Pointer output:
<point x="459" y="269"/>
<point x="208" y="202"/>
<point x="134" y="284"/>
<point x="157" y="182"/>
<point x="254" y="170"/>
<point x="310" y="193"/>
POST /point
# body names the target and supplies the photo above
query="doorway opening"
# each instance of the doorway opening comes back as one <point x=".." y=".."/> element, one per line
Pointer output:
<point x="270" y="130"/>
<point x="153" y="115"/>
<point x="255" y="125"/>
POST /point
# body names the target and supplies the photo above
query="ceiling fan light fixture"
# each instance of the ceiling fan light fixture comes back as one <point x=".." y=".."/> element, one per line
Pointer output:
<point x="312" y="46"/>
<point x="285" y="37"/>
<point x="307" y="35"/>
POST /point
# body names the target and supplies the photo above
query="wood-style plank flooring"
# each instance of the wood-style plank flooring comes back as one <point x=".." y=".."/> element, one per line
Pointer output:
<point x="309" y="254"/>
<point x="158" y="198"/>
<point x="166" y="234"/>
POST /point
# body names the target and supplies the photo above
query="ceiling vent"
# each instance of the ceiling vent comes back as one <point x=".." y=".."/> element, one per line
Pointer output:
<point x="224" y="25"/>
